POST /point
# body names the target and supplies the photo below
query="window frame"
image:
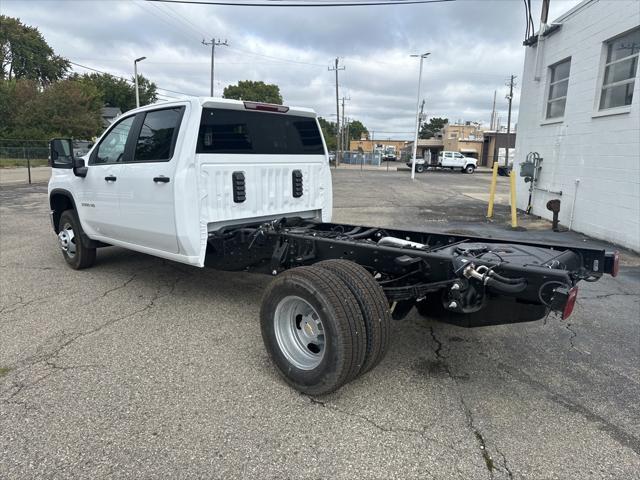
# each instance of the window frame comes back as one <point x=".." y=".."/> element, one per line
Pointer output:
<point x="94" y="152"/>
<point x="602" y="111"/>
<point x="550" y="84"/>
<point x="136" y="128"/>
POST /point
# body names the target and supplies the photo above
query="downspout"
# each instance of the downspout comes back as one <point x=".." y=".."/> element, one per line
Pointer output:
<point x="543" y="28"/>
<point x="573" y="205"/>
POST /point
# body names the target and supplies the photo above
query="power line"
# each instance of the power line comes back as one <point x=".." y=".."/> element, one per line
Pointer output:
<point x="128" y="80"/>
<point x="350" y="3"/>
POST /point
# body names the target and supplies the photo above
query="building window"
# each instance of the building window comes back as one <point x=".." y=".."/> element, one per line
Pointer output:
<point x="620" y="70"/>
<point x="558" y="85"/>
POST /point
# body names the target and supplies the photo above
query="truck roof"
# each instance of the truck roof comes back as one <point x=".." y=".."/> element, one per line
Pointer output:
<point x="225" y="103"/>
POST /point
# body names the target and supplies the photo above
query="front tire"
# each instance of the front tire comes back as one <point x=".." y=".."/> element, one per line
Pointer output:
<point x="313" y="330"/>
<point x="75" y="252"/>
<point x="469" y="169"/>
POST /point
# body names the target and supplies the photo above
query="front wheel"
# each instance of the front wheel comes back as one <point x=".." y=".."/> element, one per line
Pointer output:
<point x="469" y="169"/>
<point x="74" y="251"/>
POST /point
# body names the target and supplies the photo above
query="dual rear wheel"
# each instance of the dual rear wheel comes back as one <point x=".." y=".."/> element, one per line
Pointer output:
<point x="325" y="325"/>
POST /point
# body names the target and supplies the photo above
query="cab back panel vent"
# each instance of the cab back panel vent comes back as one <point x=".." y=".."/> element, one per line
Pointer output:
<point x="239" y="189"/>
<point x="296" y="179"/>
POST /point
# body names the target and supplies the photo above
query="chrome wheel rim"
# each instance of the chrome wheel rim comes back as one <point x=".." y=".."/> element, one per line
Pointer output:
<point x="67" y="240"/>
<point x="299" y="332"/>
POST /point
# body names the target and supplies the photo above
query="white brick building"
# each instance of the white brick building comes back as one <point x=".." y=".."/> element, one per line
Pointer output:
<point x="582" y="116"/>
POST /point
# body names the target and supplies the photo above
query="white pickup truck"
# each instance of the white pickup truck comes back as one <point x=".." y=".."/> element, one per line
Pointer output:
<point x="246" y="186"/>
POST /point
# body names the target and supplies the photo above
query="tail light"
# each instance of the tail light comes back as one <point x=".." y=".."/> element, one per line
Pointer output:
<point x="570" y="303"/>
<point x="266" y="107"/>
<point x="615" y="268"/>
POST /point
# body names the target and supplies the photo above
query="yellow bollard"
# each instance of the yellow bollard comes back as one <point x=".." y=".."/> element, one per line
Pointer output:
<point x="492" y="190"/>
<point x="514" y="216"/>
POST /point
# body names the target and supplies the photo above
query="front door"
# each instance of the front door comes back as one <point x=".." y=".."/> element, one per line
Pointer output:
<point x="146" y="182"/>
<point x="98" y="204"/>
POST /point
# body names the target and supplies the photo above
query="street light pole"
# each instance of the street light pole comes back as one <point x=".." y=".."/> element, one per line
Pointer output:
<point x="415" y="139"/>
<point x="135" y="75"/>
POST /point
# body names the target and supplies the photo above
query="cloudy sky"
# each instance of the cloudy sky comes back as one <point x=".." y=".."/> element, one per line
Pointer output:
<point x="475" y="45"/>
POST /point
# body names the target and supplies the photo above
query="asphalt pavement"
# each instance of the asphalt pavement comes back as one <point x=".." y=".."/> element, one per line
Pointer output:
<point x="143" y="368"/>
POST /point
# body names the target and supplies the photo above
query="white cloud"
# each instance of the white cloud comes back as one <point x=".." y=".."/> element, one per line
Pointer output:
<point x="475" y="45"/>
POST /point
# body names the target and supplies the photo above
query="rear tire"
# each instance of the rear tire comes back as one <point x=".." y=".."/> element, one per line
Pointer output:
<point x="373" y="306"/>
<point x="419" y="168"/>
<point x="74" y="251"/>
<point x="313" y="330"/>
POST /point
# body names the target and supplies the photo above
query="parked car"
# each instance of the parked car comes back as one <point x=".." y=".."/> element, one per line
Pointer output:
<point x="455" y="160"/>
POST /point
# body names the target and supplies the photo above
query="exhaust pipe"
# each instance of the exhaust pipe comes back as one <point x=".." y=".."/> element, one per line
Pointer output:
<point x="399" y="242"/>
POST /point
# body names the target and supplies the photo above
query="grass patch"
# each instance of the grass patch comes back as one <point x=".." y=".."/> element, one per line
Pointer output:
<point x="4" y="371"/>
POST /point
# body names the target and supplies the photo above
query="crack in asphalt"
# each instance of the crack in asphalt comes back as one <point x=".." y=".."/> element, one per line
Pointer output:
<point x="616" y="433"/>
<point x="471" y="424"/>
<point x="48" y="358"/>
<point x="385" y="429"/>
<point x="607" y="295"/>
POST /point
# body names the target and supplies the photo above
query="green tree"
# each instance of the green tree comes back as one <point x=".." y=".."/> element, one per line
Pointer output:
<point x="254" y="92"/>
<point x="117" y="92"/>
<point x="66" y="108"/>
<point x="356" y="129"/>
<point x="24" y="54"/>
<point x="429" y="130"/>
<point x="328" y="132"/>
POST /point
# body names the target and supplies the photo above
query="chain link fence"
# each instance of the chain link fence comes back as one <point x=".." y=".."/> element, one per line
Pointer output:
<point x="362" y="158"/>
<point x="23" y="160"/>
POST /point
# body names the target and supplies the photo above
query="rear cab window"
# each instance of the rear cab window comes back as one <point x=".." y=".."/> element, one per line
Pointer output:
<point x="251" y="132"/>
<point x="157" y="135"/>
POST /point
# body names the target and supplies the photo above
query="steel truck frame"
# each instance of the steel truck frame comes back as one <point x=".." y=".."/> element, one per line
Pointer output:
<point x="465" y="280"/>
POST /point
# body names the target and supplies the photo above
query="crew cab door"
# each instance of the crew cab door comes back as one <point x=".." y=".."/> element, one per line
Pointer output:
<point x="458" y="160"/>
<point x="146" y="181"/>
<point x="97" y="193"/>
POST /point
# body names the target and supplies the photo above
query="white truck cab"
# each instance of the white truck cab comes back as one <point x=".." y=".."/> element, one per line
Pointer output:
<point x="163" y="177"/>
<point x="456" y="160"/>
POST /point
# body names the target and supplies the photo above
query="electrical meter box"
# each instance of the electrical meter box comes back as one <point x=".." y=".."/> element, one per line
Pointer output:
<point x="527" y="169"/>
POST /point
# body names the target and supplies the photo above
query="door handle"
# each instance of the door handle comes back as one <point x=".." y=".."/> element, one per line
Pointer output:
<point x="110" y="178"/>
<point x="161" y="179"/>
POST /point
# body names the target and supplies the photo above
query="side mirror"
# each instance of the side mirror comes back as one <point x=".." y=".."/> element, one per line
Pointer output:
<point x="61" y="153"/>
<point x="79" y="168"/>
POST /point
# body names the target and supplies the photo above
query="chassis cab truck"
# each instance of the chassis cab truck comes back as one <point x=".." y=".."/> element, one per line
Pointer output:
<point x="246" y="186"/>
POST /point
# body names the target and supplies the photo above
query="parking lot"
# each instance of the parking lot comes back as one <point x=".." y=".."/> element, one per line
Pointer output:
<point x="142" y="368"/>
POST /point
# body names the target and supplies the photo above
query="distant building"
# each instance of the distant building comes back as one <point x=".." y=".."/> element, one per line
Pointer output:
<point x="465" y="138"/>
<point x="494" y="147"/>
<point x="579" y="111"/>
<point x="367" y="146"/>
<point x="109" y="114"/>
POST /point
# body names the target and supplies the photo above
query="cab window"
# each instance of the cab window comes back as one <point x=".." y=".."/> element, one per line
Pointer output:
<point x="157" y="136"/>
<point x="112" y="147"/>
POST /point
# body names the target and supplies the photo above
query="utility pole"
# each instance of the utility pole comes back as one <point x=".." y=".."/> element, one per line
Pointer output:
<point x="510" y="98"/>
<point x="337" y="68"/>
<point x="213" y="43"/>
<point x="493" y="113"/>
<point x="344" y="139"/>
<point x="415" y="139"/>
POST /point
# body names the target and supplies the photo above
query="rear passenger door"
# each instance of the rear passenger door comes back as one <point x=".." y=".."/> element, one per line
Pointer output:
<point x="146" y="181"/>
